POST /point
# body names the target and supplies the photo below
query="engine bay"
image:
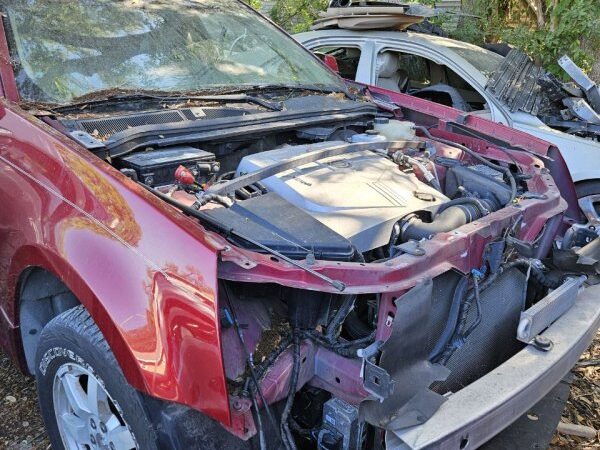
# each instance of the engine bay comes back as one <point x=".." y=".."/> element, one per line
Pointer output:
<point x="368" y="186"/>
<point x="338" y="221"/>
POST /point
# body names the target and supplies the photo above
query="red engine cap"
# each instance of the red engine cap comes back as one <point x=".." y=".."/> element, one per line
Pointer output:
<point x="184" y="176"/>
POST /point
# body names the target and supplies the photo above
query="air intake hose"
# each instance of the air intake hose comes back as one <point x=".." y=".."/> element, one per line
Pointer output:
<point x="450" y="216"/>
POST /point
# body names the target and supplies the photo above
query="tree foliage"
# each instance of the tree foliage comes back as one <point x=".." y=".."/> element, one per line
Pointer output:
<point x="297" y="15"/>
<point x="545" y="29"/>
<point x="256" y="4"/>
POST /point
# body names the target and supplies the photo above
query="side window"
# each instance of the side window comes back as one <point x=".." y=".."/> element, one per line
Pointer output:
<point x="347" y="59"/>
<point x="421" y="77"/>
<point x="417" y="69"/>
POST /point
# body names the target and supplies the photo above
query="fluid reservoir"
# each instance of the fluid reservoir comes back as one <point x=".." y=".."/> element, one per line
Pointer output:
<point x="370" y="136"/>
<point x="395" y="130"/>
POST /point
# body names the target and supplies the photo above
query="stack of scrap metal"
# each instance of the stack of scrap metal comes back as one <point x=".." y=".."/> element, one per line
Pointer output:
<point x="370" y="15"/>
<point x="571" y="107"/>
<point x="515" y="82"/>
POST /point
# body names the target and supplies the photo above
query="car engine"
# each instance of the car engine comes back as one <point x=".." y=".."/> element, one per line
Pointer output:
<point x="343" y="200"/>
<point x="359" y="196"/>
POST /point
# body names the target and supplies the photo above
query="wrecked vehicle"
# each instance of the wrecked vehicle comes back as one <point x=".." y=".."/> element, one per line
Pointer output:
<point x="210" y="241"/>
<point x="511" y="90"/>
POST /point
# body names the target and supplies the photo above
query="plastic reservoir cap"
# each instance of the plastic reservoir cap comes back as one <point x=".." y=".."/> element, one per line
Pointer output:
<point x="369" y="136"/>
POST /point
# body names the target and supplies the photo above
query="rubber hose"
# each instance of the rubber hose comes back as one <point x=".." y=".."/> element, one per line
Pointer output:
<point x="452" y="218"/>
<point x="287" y="437"/>
<point x="463" y="211"/>
<point x="459" y="294"/>
<point x="484" y="206"/>
<point x="341" y="314"/>
<point x="355" y="327"/>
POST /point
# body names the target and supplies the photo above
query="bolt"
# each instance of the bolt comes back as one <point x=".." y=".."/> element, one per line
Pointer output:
<point x="92" y="439"/>
<point x="103" y="427"/>
<point x="543" y="343"/>
<point x="92" y="424"/>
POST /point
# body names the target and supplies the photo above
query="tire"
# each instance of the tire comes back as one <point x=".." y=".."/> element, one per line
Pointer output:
<point x="72" y="357"/>
<point x="588" y="193"/>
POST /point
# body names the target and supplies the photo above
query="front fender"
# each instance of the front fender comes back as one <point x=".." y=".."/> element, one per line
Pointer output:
<point x="146" y="273"/>
<point x="160" y="323"/>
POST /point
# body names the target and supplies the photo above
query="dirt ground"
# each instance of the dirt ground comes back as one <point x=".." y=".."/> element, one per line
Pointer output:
<point x="21" y="427"/>
<point x="584" y="403"/>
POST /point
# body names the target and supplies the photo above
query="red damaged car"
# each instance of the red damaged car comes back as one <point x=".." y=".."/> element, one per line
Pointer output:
<point x="209" y="240"/>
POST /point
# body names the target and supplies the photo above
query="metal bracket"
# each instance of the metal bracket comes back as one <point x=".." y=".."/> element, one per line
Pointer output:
<point x="412" y="248"/>
<point x="583" y="81"/>
<point x="377" y="381"/>
<point x="582" y="110"/>
<point x="87" y="140"/>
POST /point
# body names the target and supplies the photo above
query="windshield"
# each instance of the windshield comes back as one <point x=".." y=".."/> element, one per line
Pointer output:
<point x="66" y="49"/>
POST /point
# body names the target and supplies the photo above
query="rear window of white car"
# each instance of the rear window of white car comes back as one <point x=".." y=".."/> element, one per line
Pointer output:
<point x="485" y="61"/>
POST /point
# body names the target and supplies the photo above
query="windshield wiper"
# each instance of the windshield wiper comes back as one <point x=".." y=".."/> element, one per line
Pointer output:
<point x="241" y="98"/>
<point x="321" y="89"/>
<point x="100" y="98"/>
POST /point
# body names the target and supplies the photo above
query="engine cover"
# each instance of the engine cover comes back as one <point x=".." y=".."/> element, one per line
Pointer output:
<point x="359" y="196"/>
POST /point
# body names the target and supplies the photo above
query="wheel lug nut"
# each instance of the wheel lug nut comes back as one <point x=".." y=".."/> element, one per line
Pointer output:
<point x="103" y="427"/>
<point x="92" y="424"/>
<point x="112" y="446"/>
<point x="92" y="439"/>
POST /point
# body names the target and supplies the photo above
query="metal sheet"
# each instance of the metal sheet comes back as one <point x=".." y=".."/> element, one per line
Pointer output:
<point x="405" y="358"/>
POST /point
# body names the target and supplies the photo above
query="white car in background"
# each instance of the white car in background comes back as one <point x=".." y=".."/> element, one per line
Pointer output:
<point x="420" y="63"/>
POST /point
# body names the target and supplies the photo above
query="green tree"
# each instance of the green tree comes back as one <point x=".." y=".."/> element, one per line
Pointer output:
<point x="545" y="29"/>
<point x="256" y="4"/>
<point x="297" y="15"/>
<point x="560" y="27"/>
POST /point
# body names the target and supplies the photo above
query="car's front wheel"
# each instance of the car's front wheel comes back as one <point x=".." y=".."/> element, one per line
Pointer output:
<point x="85" y="400"/>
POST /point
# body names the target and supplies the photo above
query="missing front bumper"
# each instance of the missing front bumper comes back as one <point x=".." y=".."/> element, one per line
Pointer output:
<point x="473" y="415"/>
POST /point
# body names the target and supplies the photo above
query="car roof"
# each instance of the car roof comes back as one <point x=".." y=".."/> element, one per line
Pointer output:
<point x="425" y="39"/>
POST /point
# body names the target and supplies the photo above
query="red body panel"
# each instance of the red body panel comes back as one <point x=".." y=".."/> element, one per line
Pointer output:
<point x="145" y="273"/>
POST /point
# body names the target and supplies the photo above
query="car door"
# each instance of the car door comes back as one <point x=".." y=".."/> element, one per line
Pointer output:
<point x="373" y="44"/>
<point x="447" y="68"/>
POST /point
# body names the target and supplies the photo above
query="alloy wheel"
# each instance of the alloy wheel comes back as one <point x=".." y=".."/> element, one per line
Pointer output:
<point x="87" y="417"/>
<point x="590" y="205"/>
